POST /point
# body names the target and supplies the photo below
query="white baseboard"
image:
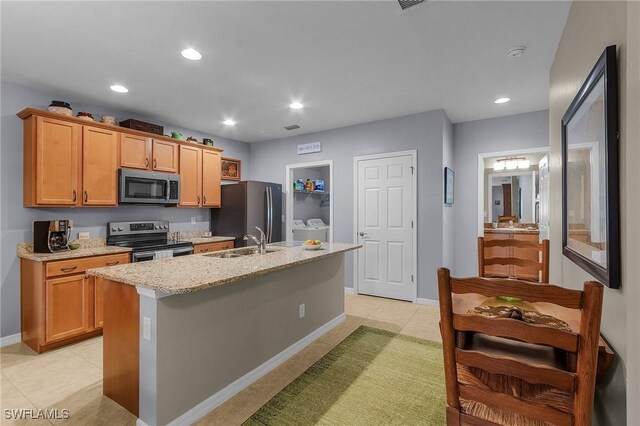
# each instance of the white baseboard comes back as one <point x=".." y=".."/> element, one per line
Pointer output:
<point x="10" y="340"/>
<point x="217" y="399"/>
<point x="428" y="302"/>
<point x="349" y="290"/>
<point x="140" y="423"/>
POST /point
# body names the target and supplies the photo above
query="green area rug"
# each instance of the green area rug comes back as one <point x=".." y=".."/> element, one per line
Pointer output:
<point x="373" y="377"/>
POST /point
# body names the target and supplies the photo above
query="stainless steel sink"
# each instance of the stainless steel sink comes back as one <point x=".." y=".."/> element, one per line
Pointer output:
<point x="249" y="251"/>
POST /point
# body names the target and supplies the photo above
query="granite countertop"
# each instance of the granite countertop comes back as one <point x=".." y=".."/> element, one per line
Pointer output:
<point x="511" y="230"/>
<point x="88" y="249"/>
<point x="205" y="240"/>
<point x="187" y="274"/>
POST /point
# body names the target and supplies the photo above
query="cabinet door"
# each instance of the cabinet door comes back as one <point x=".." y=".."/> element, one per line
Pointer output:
<point x="99" y="167"/>
<point x="208" y="247"/>
<point x="527" y="254"/>
<point x="67" y="307"/>
<point x="191" y="176"/>
<point x="98" y="300"/>
<point x="497" y="270"/>
<point x="211" y="173"/>
<point x="57" y="158"/>
<point x="165" y="156"/>
<point x="135" y="151"/>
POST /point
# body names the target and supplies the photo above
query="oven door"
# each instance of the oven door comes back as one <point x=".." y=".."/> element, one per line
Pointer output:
<point x="144" y="187"/>
<point x="143" y="256"/>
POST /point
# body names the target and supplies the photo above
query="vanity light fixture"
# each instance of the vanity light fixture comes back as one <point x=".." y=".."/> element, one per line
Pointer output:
<point x="229" y="122"/>
<point x="511" y="163"/>
<point x="191" y="54"/>
<point x="119" y="88"/>
<point x="501" y="100"/>
<point x="296" y="105"/>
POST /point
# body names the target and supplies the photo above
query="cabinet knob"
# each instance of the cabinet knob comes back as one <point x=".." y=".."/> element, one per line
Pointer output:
<point x="204" y="199"/>
<point x="74" y="195"/>
<point x="68" y="269"/>
<point x="155" y="163"/>
<point x="198" y="199"/>
<point x="146" y="162"/>
<point x="86" y="196"/>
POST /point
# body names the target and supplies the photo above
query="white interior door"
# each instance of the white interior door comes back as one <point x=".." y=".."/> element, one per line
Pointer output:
<point x="385" y="216"/>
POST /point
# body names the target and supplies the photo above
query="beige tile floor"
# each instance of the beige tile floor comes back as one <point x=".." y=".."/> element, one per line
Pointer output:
<point x="71" y="377"/>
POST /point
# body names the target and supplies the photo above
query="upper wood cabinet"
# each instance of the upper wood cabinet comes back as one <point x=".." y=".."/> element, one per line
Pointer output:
<point x="100" y="153"/>
<point x="165" y="156"/>
<point x="69" y="162"/>
<point x="135" y="151"/>
<point x="51" y="162"/>
<point x="190" y="176"/>
<point x="200" y="173"/>
<point x="211" y="175"/>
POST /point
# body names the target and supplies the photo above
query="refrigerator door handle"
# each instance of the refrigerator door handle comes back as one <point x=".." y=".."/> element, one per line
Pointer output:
<point x="270" y="214"/>
<point x="268" y="206"/>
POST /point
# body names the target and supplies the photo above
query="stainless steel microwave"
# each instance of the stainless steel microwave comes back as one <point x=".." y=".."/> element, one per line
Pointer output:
<point x="143" y="187"/>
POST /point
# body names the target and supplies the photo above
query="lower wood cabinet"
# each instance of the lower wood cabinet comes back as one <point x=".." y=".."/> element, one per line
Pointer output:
<point x="512" y="270"/>
<point x="59" y="302"/>
<point x="67" y="307"/>
<point x="209" y="247"/>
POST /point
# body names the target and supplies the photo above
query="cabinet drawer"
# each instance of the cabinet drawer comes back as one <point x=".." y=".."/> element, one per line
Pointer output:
<point x="208" y="247"/>
<point x="77" y="266"/>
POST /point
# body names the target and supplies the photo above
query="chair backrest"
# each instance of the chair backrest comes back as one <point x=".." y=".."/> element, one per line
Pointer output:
<point x="570" y="376"/>
<point x="525" y="260"/>
<point x="507" y="219"/>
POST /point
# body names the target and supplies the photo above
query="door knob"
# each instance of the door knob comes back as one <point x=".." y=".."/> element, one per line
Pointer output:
<point x="362" y="234"/>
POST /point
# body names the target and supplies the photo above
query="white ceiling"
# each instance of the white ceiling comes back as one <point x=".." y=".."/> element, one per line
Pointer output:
<point x="348" y="62"/>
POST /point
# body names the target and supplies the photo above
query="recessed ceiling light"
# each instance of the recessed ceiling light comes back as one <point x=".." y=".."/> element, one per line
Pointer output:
<point x="119" y="88"/>
<point x="229" y="122"/>
<point x="296" y="105"/>
<point x="502" y="100"/>
<point x="191" y="54"/>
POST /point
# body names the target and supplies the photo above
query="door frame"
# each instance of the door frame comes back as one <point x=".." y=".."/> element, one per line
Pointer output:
<point x="414" y="196"/>
<point x="481" y="195"/>
<point x="289" y="195"/>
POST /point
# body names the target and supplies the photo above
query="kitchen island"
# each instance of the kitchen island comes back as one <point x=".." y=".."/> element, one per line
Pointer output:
<point x="183" y="335"/>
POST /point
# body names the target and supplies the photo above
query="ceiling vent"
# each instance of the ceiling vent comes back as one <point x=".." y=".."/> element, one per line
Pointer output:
<point x="291" y="127"/>
<point x="406" y="4"/>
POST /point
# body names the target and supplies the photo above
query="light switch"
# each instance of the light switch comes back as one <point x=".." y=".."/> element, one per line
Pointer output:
<point x="146" y="328"/>
<point x="193" y="220"/>
<point x="301" y="311"/>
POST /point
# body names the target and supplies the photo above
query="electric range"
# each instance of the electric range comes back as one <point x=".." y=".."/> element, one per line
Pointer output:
<point x="148" y="240"/>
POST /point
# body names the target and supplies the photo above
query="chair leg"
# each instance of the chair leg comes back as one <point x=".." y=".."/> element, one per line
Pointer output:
<point x="453" y="417"/>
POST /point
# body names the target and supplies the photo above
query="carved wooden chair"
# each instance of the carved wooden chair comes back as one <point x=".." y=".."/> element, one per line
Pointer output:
<point x="513" y="258"/>
<point x="500" y="370"/>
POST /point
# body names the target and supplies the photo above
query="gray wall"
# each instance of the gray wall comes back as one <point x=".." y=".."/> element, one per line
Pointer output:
<point x="521" y="131"/>
<point x="591" y="26"/>
<point x="422" y="132"/>
<point x="448" y="209"/>
<point x="16" y="221"/>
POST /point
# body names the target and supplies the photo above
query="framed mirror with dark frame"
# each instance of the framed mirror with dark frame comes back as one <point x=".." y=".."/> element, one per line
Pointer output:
<point x="590" y="184"/>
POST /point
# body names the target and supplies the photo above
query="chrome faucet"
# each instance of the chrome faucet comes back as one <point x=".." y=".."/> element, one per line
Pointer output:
<point x="261" y="243"/>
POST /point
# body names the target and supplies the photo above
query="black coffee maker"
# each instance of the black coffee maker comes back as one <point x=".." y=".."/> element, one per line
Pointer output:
<point x="51" y="235"/>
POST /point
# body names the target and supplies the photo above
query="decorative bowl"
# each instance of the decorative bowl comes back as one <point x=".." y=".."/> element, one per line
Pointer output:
<point x="61" y="110"/>
<point x="312" y="246"/>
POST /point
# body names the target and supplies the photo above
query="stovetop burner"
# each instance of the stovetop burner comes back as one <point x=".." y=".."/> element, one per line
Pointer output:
<point x="143" y="236"/>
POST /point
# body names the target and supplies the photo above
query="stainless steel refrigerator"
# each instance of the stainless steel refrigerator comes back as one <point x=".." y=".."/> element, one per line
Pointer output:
<point x="246" y="205"/>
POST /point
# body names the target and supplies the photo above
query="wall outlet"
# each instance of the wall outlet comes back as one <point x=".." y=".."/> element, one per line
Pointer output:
<point x="193" y="220"/>
<point x="301" y="310"/>
<point x="83" y="235"/>
<point x="146" y="328"/>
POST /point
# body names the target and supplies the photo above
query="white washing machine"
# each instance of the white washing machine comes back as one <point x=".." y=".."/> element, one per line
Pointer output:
<point x="319" y="225"/>
<point x="302" y="232"/>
